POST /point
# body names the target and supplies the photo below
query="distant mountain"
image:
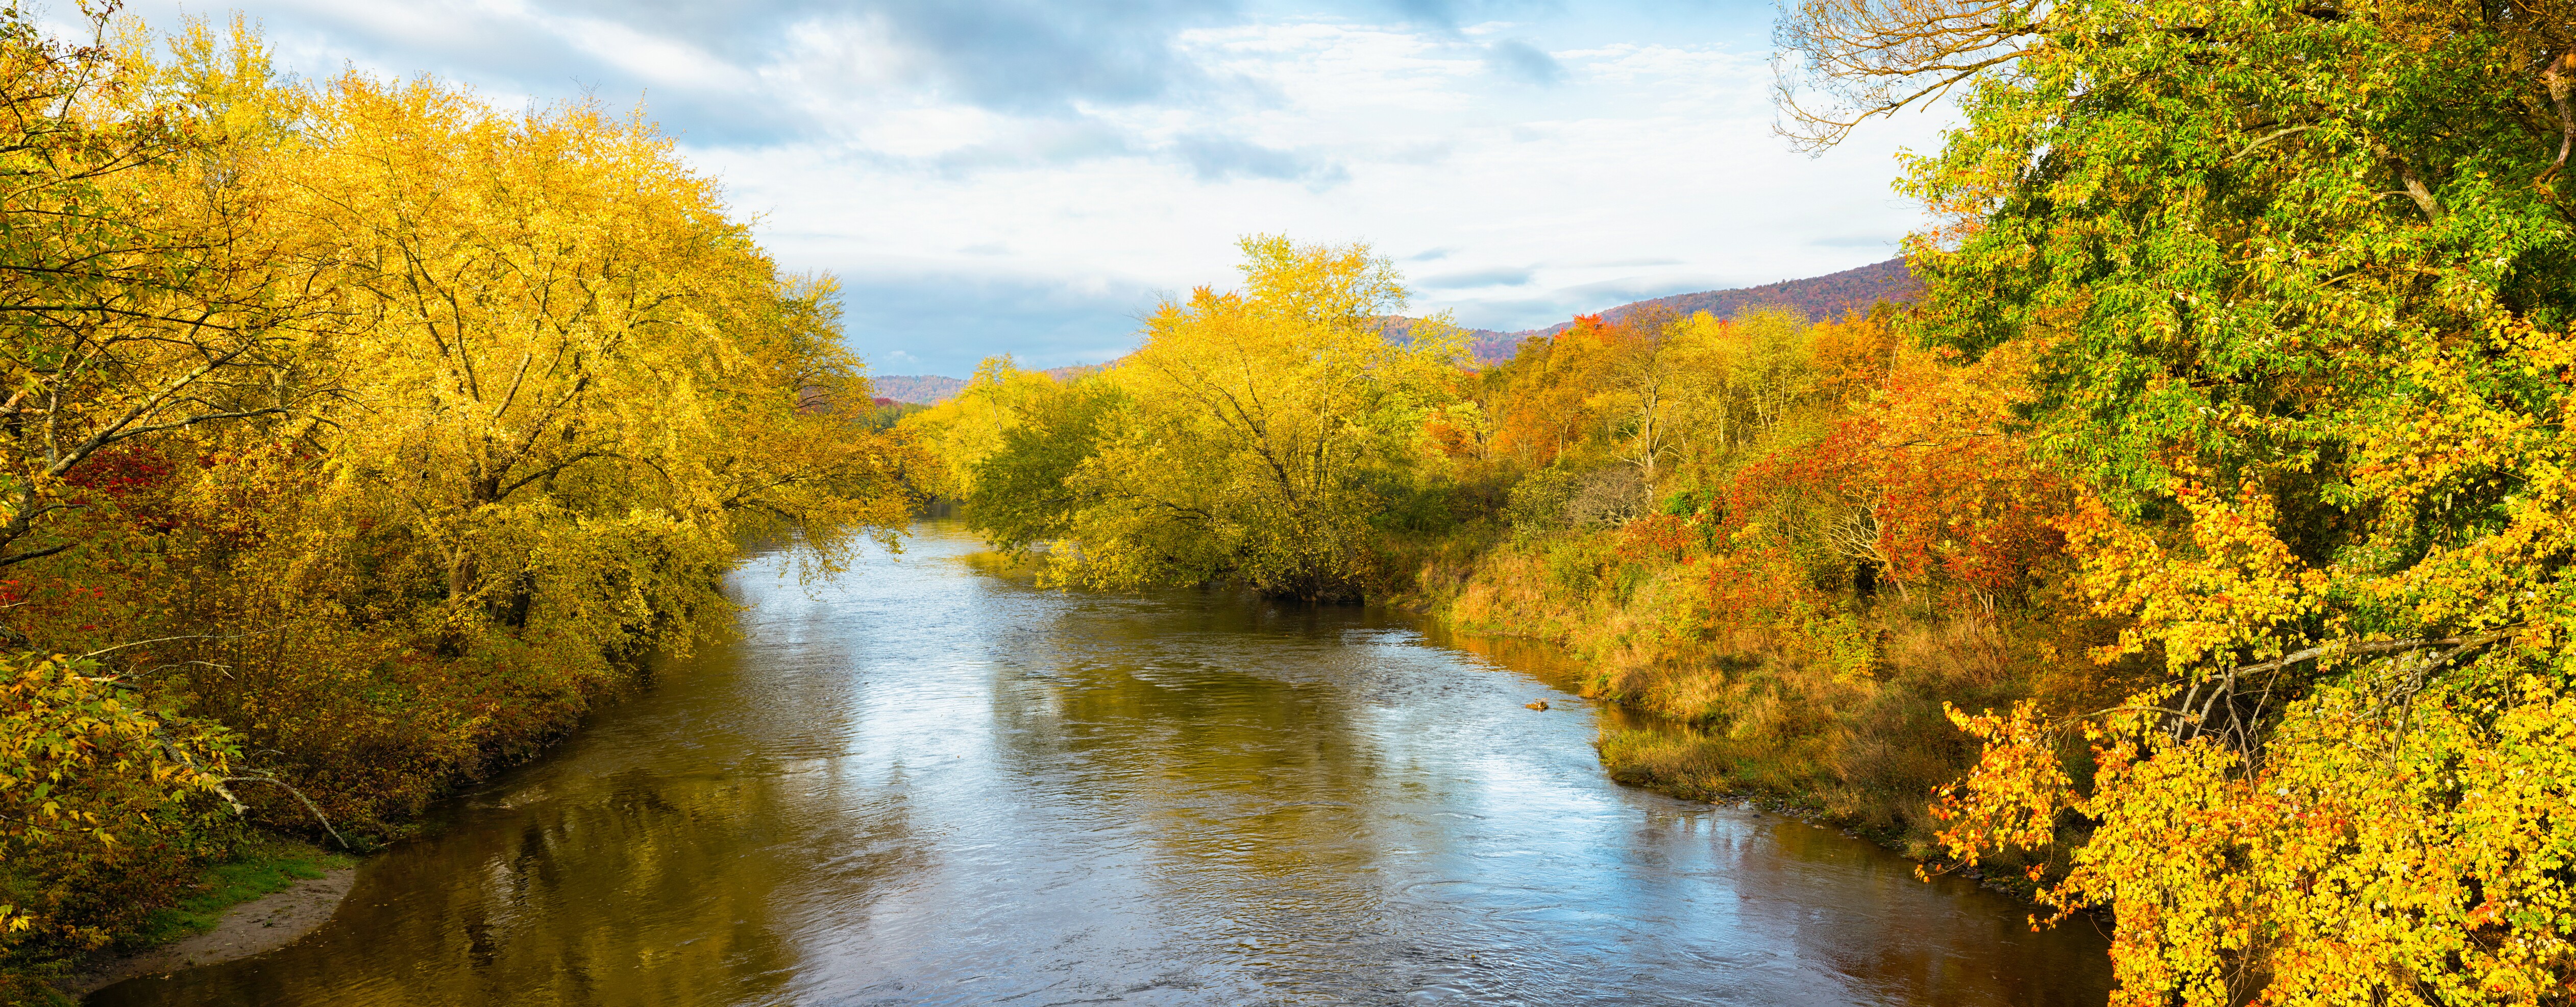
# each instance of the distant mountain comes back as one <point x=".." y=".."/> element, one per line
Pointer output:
<point x="922" y="388"/>
<point x="1400" y="329"/>
<point x="1821" y="297"/>
<point x="931" y="389"/>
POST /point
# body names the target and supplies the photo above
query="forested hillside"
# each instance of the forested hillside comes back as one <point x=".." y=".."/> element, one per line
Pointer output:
<point x="359" y="434"/>
<point x="1829" y="296"/>
<point x="927" y="389"/>
<point x="1832" y="295"/>
<point x="920" y="388"/>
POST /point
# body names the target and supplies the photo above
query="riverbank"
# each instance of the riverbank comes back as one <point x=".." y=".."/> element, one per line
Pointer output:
<point x="1833" y="713"/>
<point x="271" y="894"/>
<point x="216" y="888"/>
<point x="924" y="782"/>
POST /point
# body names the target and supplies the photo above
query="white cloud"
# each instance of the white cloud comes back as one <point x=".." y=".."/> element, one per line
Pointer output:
<point x="1608" y="157"/>
<point x="1651" y="170"/>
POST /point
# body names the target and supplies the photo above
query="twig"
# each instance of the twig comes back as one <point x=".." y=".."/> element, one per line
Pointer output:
<point x="289" y="788"/>
<point x="167" y="639"/>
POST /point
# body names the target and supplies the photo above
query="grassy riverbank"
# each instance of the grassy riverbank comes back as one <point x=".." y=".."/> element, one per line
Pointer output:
<point x="242" y="866"/>
<point x="260" y="865"/>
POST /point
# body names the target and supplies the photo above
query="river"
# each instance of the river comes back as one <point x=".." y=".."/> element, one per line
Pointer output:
<point x="928" y="782"/>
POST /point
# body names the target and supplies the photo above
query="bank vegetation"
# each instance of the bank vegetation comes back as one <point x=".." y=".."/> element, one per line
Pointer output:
<point x="357" y="435"/>
<point x="2195" y="550"/>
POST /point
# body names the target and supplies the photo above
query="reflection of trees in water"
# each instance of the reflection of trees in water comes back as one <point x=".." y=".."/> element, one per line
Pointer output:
<point x="1224" y="726"/>
<point x="1245" y="801"/>
<point x="1858" y="910"/>
<point x="673" y="857"/>
<point x="1836" y="898"/>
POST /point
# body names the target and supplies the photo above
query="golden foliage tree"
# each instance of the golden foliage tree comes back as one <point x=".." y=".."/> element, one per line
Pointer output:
<point x="2296" y="280"/>
<point x="1248" y="439"/>
<point x="369" y="430"/>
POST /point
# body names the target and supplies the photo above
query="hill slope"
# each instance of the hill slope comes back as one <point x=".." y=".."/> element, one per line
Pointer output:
<point x="922" y="388"/>
<point x="928" y="389"/>
<point x="1820" y="297"/>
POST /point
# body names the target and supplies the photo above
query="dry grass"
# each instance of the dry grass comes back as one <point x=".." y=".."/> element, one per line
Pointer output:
<point x="1771" y="708"/>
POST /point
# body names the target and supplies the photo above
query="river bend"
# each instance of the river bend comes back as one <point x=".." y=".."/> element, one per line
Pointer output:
<point x="930" y="783"/>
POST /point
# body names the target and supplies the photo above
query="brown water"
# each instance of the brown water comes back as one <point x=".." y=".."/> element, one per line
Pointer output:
<point x="932" y="783"/>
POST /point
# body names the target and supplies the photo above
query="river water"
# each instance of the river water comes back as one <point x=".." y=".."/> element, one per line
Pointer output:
<point x="930" y="782"/>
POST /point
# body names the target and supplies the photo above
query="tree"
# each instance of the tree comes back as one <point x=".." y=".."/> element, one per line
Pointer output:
<point x="135" y="299"/>
<point x="1026" y="488"/>
<point x="1555" y="382"/>
<point x="1644" y="379"/>
<point x="1241" y="440"/>
<point x="972" y="426"/>
<point x="2297" y="278"/>
<point x="573" y="362"/>
<point x="359" y="434"/>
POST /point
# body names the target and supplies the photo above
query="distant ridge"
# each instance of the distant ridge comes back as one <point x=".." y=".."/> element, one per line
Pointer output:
<point x="930" y="389"/>
<point x="922" y="388"/>
<point x="1820" y="297"/>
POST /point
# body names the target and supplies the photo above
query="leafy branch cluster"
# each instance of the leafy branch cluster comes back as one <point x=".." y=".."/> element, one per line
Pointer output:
<point x="354" y="434"/>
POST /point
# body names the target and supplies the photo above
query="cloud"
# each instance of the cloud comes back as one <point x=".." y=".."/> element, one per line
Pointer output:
<point x="1451" y="16"/>
<point x="742" y="30"/>
<point x="1506" y="276"/>
<point x="1857" y="241"/>
<point x="1022" y="176"/>
<point x="1038" y="56"/>
<point x="1219" y="158"/>
<point x="1524" y="62"/>
<point x="1038" y="144"/>
<point x="1632" y="263"/>
<point x="756" y="71"/>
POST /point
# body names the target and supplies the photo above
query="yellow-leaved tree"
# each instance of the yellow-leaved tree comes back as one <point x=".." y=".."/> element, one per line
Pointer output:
<point x="577" y="367"/>
<point x="1249" y="439"/>
<point x="2294" y="281"/>
<point x="361" y="434"/>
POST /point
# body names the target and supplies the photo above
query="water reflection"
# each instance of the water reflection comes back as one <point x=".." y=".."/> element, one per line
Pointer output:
<point x="934" y="784"/>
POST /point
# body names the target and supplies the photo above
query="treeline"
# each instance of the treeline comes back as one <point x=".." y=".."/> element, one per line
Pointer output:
<point x="2195" y="551"/>
<point x="356" y="435"/>
<point x="1254" y="437"/>
<point x="1799" y="537"/>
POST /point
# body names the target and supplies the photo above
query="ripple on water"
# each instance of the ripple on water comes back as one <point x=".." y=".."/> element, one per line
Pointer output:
<point x="932" y="783"/>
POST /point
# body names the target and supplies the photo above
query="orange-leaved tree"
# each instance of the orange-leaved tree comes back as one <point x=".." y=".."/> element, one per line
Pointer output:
<point x="2296" y="279"/>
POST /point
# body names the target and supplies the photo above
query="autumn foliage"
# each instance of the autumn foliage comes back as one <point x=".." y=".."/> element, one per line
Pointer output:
<point x="2293" y="282"/>
<point x="358" y="436"/>
<point x="1802" y="536"/>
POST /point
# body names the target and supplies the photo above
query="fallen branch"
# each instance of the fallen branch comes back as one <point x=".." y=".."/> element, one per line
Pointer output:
<point x="289" y="788"/>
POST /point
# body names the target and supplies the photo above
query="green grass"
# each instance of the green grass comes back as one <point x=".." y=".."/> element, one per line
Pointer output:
<point x="259" y="867"/>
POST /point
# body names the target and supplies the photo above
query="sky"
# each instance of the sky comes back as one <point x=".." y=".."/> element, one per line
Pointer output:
<point x="1030" y="177"/>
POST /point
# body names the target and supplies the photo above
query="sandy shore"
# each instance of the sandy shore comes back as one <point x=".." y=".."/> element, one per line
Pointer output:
<point x="259" y="926"/>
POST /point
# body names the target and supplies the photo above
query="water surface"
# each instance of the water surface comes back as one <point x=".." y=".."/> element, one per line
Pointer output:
<point x="930" y="782"/>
